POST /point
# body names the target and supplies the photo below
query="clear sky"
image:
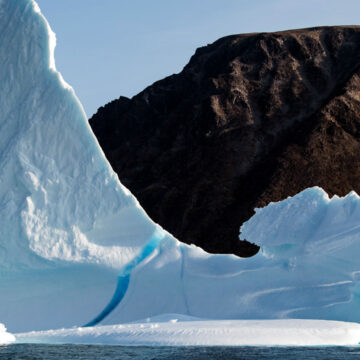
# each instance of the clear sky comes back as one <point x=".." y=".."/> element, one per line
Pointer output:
<point x="108" y="48"/>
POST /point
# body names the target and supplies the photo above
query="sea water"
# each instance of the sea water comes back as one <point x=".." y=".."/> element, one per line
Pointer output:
<point x="104" y="352"/>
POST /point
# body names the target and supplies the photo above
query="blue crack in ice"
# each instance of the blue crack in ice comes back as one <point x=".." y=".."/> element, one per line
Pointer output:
<point x="124" y="276"/>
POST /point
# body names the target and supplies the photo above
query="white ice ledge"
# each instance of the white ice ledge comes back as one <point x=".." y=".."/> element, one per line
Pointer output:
<point x="177" y="332"/>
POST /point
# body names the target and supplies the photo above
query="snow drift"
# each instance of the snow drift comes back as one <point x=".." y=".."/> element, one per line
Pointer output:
<point x="77" y="249"/>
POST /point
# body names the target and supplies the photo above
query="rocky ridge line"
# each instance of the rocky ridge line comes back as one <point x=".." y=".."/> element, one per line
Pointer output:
<point x="251" y="119"/>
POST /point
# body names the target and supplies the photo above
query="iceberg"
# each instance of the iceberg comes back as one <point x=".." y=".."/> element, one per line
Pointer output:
<point x="77" y="249"/>
<point x="307" y="268"/>
<point x="67" y="224"/>
<point x="5" y="337"/>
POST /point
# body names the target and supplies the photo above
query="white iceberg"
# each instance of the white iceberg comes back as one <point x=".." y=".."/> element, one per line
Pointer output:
<point x="67" y="224"/>
<point x="77" y="249"/>
<point x="307" y="268"/>
<point x="5" y="337"/>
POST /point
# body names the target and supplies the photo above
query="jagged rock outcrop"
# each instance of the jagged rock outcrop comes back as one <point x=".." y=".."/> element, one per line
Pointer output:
<point x="251" y="119"/>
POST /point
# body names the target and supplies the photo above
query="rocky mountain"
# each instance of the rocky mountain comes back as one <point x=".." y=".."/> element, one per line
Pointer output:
<point x="251" y="119"/>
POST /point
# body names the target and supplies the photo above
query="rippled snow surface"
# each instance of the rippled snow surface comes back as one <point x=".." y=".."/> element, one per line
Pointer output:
<point x="49" y="352"/>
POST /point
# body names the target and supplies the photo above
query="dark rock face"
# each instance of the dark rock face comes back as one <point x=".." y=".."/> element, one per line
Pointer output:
<point x="251" y="119"/>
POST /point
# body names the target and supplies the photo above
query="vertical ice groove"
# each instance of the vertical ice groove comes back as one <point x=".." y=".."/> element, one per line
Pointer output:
<point x="124" y="276"/>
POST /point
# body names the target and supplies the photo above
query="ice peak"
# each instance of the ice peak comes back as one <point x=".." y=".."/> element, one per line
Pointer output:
<point x="60" y="198"/>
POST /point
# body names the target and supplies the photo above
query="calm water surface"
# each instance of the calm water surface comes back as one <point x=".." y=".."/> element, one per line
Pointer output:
<point x="89" y="352"/>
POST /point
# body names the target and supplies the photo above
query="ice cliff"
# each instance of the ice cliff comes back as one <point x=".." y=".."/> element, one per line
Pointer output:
<point x="76" y="248"/>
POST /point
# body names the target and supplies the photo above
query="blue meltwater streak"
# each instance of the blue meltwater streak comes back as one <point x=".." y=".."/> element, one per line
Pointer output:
<point x="124" y="276"/>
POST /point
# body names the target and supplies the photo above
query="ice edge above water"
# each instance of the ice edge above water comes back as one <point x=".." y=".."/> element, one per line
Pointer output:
<point x="207" y="333"/>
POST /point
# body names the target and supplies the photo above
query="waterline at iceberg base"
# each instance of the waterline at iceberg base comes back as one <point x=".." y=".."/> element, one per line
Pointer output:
<point x="76" y="248"/>
<point x="172" y="331"/>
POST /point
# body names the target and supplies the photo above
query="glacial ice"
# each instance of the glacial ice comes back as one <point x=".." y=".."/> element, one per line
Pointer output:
<point x="77" y="249"/>
<point x="67" y="224"/>
<point x="199" y="332"/>
<point x="307" y="268"/>
<point x="59" y="196"/>
<point x="124" y="276"/>
<point x="5" y="337"/>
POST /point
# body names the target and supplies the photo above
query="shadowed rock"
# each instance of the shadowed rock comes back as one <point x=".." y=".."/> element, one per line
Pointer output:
<point x="251" y="119"/>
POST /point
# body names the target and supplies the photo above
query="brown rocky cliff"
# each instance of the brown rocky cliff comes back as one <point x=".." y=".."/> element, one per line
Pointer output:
<point x="251" y="119"/>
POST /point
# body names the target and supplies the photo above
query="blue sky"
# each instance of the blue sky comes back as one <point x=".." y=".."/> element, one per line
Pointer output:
<point x="108" y="48"/>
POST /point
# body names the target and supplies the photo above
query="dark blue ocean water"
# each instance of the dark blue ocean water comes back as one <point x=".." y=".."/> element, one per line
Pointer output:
<point x="89" y="352"/>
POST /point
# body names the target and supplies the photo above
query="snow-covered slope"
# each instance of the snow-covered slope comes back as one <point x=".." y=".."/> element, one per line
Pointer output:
<point x="76" y="248"/>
